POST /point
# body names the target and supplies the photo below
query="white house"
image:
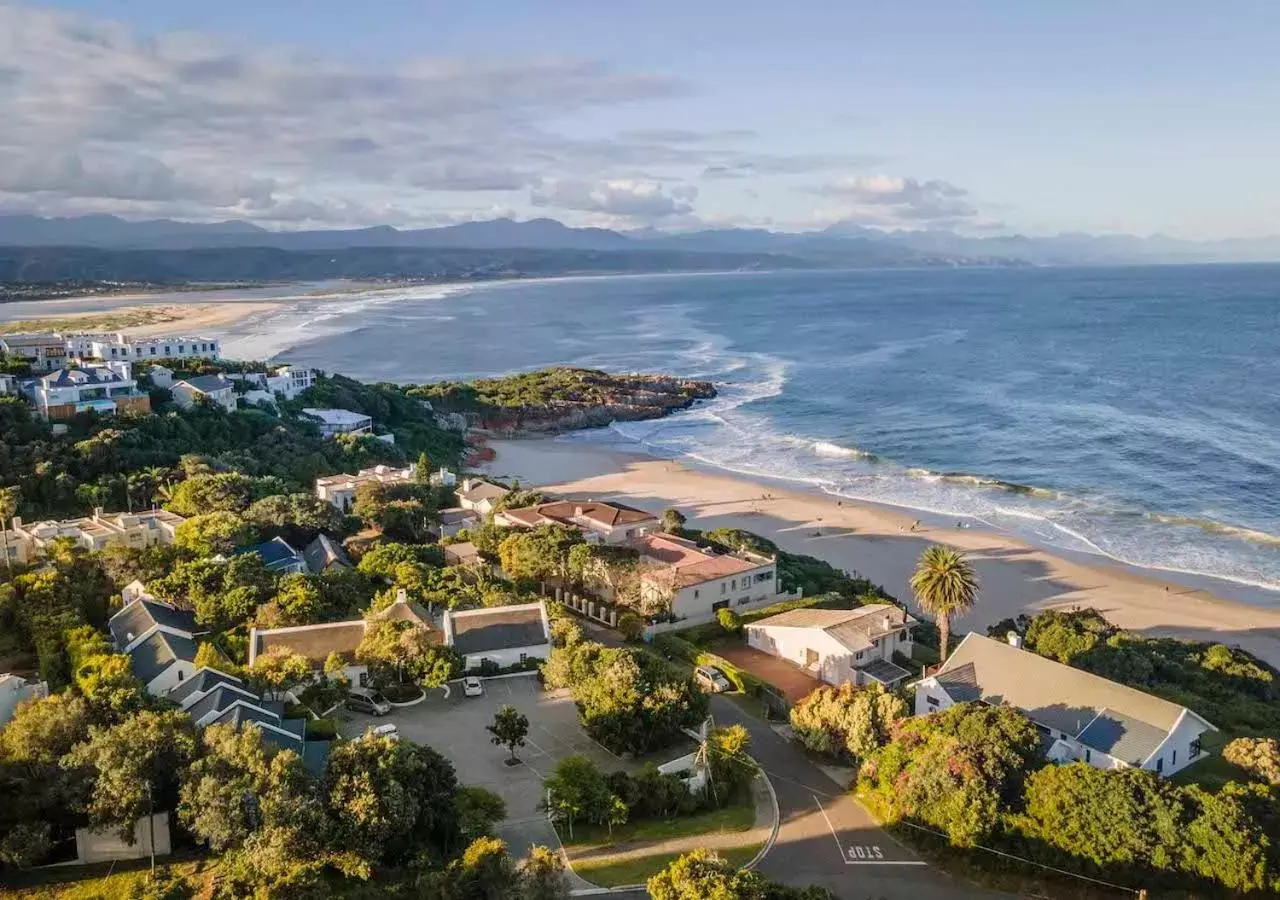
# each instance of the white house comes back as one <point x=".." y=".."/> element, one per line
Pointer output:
<point x="694" y="583"/>
<point x="333" y="422"/>
<point x="210" y="388"/>
<point x="455" y="519"/>
<point x="286" y="381"/>
<point x="599" y="522"/>
<point x="122" y="346"/>
<point x="502" y="635"/>
<point x="1081" y="716"/>
<point x="479" y="495"/>
<point x="212" y="697"/>
<point x="340" y="490"/>
<point x="14" y="689"/>
<point x="43" y="351"/>
<point x="26" y="543"/>
<point x="159" y="640"/>
<point x="9" y="384"/>
<point x="839" y="645"/>
<point x="317" y="642"/>
<point x="104" y="389"/>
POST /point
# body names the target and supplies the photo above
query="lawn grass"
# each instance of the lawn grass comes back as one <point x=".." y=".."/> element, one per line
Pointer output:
<point x="638" y="870"/>
<point x="79" y="882"/>
<point x="739" y="815"/>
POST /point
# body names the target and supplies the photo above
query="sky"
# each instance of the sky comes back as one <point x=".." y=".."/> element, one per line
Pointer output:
<point x="983" y="116"/>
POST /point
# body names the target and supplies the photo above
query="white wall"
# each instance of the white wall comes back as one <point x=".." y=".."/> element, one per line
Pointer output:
<point x="834" y="659"/>
<point x="94" y="845"/>
<point x="929" y="688"/>
<point x="696" y="603"/>
<point x="503" y="658"/>
<point x="13" y="691"/>
<point x="178" y="671"/>
<point x="1176" y="749"/>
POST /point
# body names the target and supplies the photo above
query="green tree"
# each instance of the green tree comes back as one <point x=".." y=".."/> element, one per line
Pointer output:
<point x="10" y="498"/>
<point x="298" y="601"/>
<point x="630" y="626"/>
<point x="397" y="652"/>
<point x="134" y="767"/>
<point x="478" y="810"/>
<point x="847" y="720"/>
<point x="539" y="554"/>
<point x="217" y="532"/>
<point x="203" y="494"/>
<point x="578" y="790"/>
<point x="279" y="670"/>
<point x="542" y="875"/>
<point x="485" y="871"/>
<point x="387" y="800"/>
<point x="509" y="729"/>
<point x="226" y="794"/>
<point x="945" y="586"/>
<point x="1260" y="757"/>
<point x="673" y="521"/>
<point x="729" y="620"/>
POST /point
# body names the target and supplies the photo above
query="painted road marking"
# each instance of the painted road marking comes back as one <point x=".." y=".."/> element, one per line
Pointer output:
<point x="861" y="854"/>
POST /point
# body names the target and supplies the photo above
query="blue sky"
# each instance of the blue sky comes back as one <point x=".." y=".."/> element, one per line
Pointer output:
<point x="978" y="116"/>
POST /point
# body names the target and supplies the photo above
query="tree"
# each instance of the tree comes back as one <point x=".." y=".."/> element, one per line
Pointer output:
<point x="945" y="586"/>
<point x="673" y="521"/>
<point x="217" y="532"/>
<point x="10" y="498"/>
<point x="298" y="600"/>
<point x="134" y="767"/>
<point x="279" y="670"/>
<point x="485" y="871"/>
<point x="703" y="875"/>
<point x="729" y="620"/>
<point x="577" y="790"/>
<point x="542" y="875"/>
<point x="203" y="494"/>
<point x="630" y="626"/>
<point x="509" y="730"/>
<point x="539" y="554"/>
<point x="477" y="810"/>
<point x="226" y="794"/>
<point x="400" y="651"/>
<point x="609" y="570"/>
<point x="1260" y="757"/>
<point x="387" y="800"/>
<point x="847" y="720"/>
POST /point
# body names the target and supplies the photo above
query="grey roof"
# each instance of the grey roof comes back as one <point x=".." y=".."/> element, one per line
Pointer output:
<point x="1060" y="697"/>
<point x="203" y="680"/>
<point x="81" y="377"/>
<point x="1122" y="737"/>
<point x="498" y="628"/>
<point x="484" y="490"/>
<point x="315" y="754"/>
<point x="456" y="515"/>
<point x="219" y="699"/>
<point x="884" y="671"/>
<point x="961" y="683"/>
<point x="324" y="552"/>
<point x="154" y="655"/>
<point x="276" y="553"/>
<point x="315" y="642"/>
<point x="241" y="715"/>
<point x="856" y="629"/>
<point x="207" y="384"/>
<point x="138" y="617"/>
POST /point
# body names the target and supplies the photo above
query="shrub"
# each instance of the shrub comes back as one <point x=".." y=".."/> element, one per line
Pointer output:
<point x="729" y="620"/>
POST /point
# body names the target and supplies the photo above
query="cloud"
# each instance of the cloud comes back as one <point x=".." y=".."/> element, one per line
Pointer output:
<point x="640" y="201"/>
<point x="893" y="201"/>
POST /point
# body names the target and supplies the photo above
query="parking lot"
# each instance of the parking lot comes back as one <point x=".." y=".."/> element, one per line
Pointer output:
<point x="455" y="726"/>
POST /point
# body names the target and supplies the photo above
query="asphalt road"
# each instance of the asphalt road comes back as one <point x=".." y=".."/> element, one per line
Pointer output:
<point x="827" y="838"/>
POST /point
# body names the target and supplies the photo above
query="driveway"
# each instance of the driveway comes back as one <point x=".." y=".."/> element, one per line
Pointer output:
<point x="794" y="684"/>
<point x="826" y="837"/>
<point x="455" y="727"/>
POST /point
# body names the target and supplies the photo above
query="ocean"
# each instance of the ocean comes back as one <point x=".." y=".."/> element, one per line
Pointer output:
<point x="1131" y="413"/>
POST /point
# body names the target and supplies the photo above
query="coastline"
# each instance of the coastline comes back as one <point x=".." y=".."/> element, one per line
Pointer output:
<point x="876" y="542"/>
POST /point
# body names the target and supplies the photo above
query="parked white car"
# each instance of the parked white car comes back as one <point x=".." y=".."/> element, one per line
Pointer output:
<point x="472" y="687"/>
<point x="388" y="731"/>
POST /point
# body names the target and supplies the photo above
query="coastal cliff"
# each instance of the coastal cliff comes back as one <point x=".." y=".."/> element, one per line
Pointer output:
<point x="551" y="401"/>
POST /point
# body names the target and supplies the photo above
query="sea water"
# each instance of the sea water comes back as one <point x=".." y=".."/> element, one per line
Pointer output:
<point x="1128" y="412"/>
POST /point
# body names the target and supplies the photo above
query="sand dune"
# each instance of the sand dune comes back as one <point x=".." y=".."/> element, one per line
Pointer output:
<point x="877" y="542"/>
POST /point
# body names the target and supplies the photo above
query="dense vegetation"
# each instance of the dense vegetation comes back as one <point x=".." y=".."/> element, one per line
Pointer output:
<point x="977" y="775"/>
<point x="1229" y="687"/>
<point x="628" y="700"/>
<point x="702" y="875"/>
<point x="560" y="388"/>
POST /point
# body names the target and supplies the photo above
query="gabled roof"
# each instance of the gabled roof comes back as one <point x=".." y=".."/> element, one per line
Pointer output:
<point x="402" y="610"/>
<point x="483" y="490"/>
<point x="1101" y="714"/>
<point x="81" y="377"/>
<point x="158" y="652"/>
<point x="140" y="616"/>
<point x="202" y="681"/>
<point x="568" y="512"/>
<point x="315" y="642"/>
<point x="693" y="564"/>
<point x="323" y="552"/>
<point x="275" y="553"/>
<point x="219" y="699"/>
<point x="474" y="631"/>
<point x="207" y="384"/>
<point x="855" y="629"/>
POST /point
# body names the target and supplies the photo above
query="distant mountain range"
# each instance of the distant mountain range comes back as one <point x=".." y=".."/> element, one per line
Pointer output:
<point x="841" y="245"/>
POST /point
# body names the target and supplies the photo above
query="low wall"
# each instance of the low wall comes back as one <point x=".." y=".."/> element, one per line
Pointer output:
<point x="95" y="845"/>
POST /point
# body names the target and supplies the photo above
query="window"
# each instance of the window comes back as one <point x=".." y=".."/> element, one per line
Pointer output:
<point x="858" y="655"/>
<point x="523" y="657"/>
<point x="1194" y="751"/>
<point x="179" y="674"/>
<point x="363" y="679"/>
<point x="153" y="351"/>
<point x="695" y="593"/>
<point x="1173" y="757"/>
<point x="931" y="700"/>
<point x="902" y="636"/>
<point x="719" y="604"/>
<point x="1088" y="755"/>
<point x="723" y="587"/>
<point x="182" y="348"/>
<point x="1160" y="764"/>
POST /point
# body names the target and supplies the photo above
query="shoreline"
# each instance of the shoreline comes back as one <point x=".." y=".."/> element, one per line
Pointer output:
<point x="875" y="541"/>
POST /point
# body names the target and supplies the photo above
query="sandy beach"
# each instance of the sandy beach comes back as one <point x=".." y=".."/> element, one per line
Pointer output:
<point x="877" y="542"/>
<point x="150" y="319"/>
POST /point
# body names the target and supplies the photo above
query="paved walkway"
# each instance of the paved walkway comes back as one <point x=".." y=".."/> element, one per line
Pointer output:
<point x="794" y="684"/>
<point x="729" y="840"/>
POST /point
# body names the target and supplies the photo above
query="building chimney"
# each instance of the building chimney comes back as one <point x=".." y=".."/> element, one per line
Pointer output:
<point x="402" y="596"/>
<point x="888" y="621"/>
<point x="577" y="510"/>
<point x="97" y="513"/>
<point x="16" y="522"/>
<point x="1014" y="639"/>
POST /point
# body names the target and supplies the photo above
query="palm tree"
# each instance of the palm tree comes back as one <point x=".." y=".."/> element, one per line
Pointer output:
<point x="945" y="586"/>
